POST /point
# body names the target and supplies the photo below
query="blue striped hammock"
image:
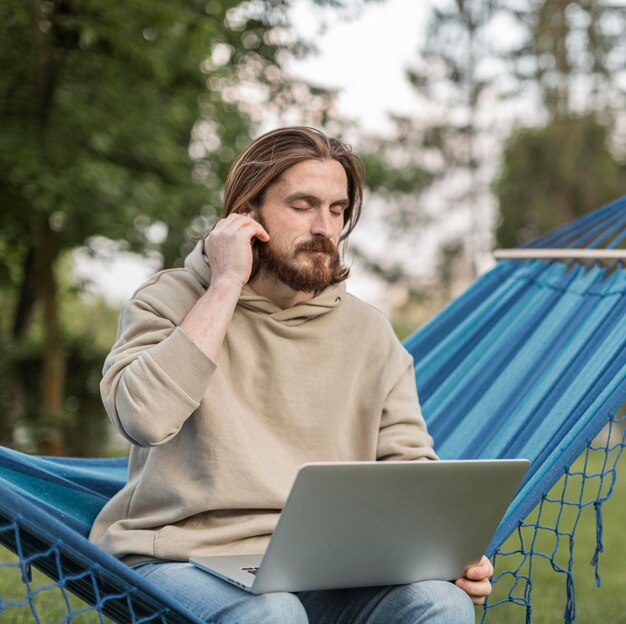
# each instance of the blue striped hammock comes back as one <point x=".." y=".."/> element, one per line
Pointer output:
<point x="529" y="362"/>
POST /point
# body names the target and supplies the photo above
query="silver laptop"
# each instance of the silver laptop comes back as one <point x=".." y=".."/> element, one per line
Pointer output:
<point x="359" y="524"/>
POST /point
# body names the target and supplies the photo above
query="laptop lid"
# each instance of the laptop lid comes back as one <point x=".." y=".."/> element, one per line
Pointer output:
<point x="358" y="524"/>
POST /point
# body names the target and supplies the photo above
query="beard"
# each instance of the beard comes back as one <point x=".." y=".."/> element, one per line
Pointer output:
<point x="315" y="274"/>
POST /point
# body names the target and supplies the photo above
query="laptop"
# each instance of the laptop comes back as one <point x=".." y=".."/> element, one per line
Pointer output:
<point x="360" y="524"/>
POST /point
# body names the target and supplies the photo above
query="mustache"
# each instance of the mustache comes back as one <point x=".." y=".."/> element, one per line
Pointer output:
<point x="324" y="245"/>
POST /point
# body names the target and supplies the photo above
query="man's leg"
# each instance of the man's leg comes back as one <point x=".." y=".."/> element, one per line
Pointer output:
<point x="216" y="601"/>
<point x="432" y="602"/>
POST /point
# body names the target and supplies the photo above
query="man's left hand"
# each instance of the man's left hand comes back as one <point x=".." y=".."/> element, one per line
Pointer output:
<point x="476" y="581"/>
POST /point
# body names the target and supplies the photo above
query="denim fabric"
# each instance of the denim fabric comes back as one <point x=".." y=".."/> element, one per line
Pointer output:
<point x="219" y="602"/>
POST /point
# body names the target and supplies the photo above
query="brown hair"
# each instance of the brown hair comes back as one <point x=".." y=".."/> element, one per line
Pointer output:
<point x="266" y="158"/>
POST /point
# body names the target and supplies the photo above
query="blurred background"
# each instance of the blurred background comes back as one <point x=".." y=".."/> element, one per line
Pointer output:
<point x="482" y="123"/>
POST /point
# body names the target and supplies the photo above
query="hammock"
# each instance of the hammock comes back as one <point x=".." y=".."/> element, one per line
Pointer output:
<point x="529" y="362"/>
<point x="47" y="506"/>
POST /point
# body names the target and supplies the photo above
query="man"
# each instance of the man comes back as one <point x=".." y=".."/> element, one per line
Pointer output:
<point x="229" y="374"/>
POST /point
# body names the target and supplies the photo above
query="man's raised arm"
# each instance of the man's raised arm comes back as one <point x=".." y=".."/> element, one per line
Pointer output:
<point x="159" y="368"/>
<point x="228" y="249"/>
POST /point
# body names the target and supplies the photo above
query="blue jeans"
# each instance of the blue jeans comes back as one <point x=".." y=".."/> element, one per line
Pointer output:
<point x="216" y="601"/>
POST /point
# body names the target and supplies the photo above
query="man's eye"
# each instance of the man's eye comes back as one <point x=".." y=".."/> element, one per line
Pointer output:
<point x="300" y="207"/>
<point x="337" y="210"/>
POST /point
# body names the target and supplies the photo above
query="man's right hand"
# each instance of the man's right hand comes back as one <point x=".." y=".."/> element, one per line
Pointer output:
<point x="228" y="248"/>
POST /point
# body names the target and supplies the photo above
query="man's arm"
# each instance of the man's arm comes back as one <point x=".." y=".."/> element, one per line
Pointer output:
<point x="403" y="435"/>
<point x="228" y="249"/>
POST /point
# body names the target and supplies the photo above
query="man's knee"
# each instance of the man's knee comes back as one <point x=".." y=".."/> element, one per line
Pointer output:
<point x="279" y="607"/>
<point x="457" y="605"/>
<point x="437" y="602"/>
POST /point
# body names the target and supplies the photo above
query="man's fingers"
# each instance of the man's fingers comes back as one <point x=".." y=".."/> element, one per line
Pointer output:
<point x="236" y="222"/>
<point x="259" y="231"/>
<point x="477" y="590"/>
<point x="484" y="569"/>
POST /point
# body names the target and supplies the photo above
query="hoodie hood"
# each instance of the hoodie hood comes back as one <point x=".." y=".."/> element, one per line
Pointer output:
<point x="322" y="303"/>
<point x="326" y="301"/>
<point x="197" y="265"/>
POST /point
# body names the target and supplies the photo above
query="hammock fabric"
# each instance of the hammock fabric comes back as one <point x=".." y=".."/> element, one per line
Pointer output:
<point x="47" y="506"/>
<point x="529" y="362"/>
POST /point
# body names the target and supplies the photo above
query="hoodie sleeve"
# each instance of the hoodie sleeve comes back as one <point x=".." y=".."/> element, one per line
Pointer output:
<point x="154" y="378"/>
<point x="403" y="435"/>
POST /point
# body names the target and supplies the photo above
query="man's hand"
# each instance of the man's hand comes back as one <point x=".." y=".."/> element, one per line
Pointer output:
<point x="228" y="248"/>
<point x="476" y="581"/>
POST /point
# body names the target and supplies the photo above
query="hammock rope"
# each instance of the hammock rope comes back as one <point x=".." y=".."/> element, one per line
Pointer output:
<point x="47" y="506"/>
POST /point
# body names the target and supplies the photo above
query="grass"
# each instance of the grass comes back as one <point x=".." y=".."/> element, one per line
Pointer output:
<point x="604" y="604"/>
<point x="48" y="601"/>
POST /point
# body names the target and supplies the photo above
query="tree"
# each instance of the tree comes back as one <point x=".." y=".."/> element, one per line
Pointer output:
<point x="571" y="55"/>
<point x="107" y="112"/>
<point x="454" y="78"/>
<point x="447" y="141"/>
<point x="553" y="174"/>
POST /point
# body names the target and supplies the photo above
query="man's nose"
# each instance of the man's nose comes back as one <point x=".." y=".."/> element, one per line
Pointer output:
<point x="322" y="224"/>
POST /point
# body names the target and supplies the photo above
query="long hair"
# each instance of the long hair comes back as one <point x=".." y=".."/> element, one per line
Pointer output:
<point x="263" y="162"/>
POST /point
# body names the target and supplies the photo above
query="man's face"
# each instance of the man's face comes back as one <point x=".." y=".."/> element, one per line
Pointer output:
<point x="303" y="212"/>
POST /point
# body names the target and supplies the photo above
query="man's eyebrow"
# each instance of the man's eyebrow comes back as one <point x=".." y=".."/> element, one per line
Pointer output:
<point x="313" y="200"/>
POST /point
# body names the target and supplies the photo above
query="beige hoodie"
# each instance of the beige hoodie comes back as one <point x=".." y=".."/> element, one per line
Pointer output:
<point x="216" y="445"/>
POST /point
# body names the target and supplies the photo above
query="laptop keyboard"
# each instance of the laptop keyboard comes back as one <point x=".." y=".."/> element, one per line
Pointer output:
<point x="251" y="570"/>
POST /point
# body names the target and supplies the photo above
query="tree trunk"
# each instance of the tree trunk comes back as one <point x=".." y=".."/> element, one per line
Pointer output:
<point x="26" y="300"/>
<point x="54" y="363"/>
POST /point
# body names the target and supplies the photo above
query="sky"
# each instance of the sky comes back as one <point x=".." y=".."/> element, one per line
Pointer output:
<point x="365" y="58"/>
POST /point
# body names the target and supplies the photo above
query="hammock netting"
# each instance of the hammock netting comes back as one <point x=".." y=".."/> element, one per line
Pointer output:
<point x="529" y="362"/>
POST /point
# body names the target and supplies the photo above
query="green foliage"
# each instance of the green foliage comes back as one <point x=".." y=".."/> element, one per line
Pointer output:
<point x="397" y="179"/>
<point x="80" y="427"/>
<point x="553" y="174"/>
<point x="98" y="103"/>
<point x="114" y="117"/>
